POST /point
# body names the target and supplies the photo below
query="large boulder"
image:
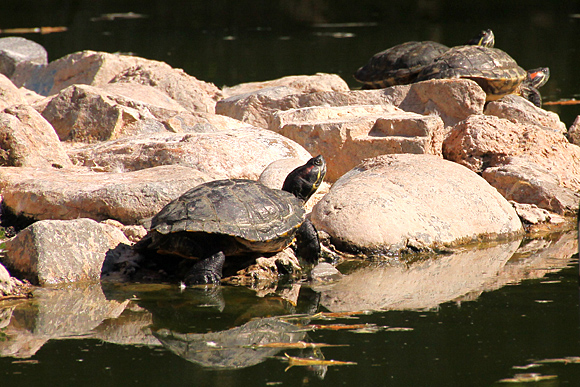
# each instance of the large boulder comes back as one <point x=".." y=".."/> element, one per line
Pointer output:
<point x="538" y="160"/>
<point x="9" y="94"/>
<point x="99" y="68"/>
<point x="404" y="202"/>
<point x="88" y="113"/>
<point x="452" y="100"/>
<point x="68" y="194"/>
<point x="28" y="140"/>
<point x="345" y="135"/>
<point x="51" y="252"/>
<point x="292" y="84"/>
<point x="519" y="110"/>
<point x="239" y="153"/>
<point x="188" y="91"/>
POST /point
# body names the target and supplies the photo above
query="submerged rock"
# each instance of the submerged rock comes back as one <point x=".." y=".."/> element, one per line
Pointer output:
<point x="397" y="203"/>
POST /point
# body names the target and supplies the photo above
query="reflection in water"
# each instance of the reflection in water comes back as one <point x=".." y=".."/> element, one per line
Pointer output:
<point x="223" y="327"/>
<point x="232" y="348"/>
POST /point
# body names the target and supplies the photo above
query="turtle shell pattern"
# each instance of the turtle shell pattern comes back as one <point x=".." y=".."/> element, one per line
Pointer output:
<point x="260" y="218"/>
<point x="398" y="65"/>
<point x="496" y="72"/>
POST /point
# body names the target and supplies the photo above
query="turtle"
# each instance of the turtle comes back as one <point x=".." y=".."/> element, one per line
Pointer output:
<point x="535" y="79"/>
<point x="233" y="217"/>
<point x="497" y="73"/>
<point x="399" y="65"/>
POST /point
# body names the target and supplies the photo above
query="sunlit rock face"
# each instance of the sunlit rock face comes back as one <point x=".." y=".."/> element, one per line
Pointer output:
<point x="394" y="203"/>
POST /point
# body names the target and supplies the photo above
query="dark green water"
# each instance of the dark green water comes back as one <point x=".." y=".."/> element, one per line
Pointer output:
<point x="489" y="315"/>
<point x="507" y="309"/>
<point x="231" y="42"/>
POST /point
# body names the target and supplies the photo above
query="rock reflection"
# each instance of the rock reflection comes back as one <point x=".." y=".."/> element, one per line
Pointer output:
<point x="232" y="348"/>
<point x="460" y="276"/>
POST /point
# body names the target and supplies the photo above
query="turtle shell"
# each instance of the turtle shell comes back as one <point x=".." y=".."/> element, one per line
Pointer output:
<point x="231" y="212"/>
<point x="496" y="72"/>
<point x="398" y="65"/>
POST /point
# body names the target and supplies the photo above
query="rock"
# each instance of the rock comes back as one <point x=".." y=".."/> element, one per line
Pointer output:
<point x="240" y="153"/>
<point x="532" y="214"/>
<point x="519" y="110"/>
<point x="275" y="173"/>
<point x="324" y="273"/>
<point x="10" y="286"/>
<point x="267" y="270"/>
<point x="419" y="285"/>
<point x="397" y="203"/>
<point x="87" y="114"/>
<point x="294" y="84"/>
<point x="28" y="140"/>
<point x="573" y="133"/>
<point x="188" y="91"/>
<point x="9" y="94"/>
<point x="70" y="194"/>
<point x="345" y="135"/>
<point x="19" y="54"/>
<point x="51" y="252"/>
<point x="526" y="153"/>
<point x="526" y="182"/>
<point x="85" y="67"/>
<point x="452" y="100"/>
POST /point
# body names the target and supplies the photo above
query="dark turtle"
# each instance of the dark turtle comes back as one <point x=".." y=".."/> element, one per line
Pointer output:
<point x="399" y="65"/>
<point x="496" y="72"/>
<point x="236" y="217"/>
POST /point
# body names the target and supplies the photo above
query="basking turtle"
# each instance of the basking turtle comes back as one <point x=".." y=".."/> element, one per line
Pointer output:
<point x="535" y="79"/>
<point x="495" y="72"/>
<point x="235" y="217"/>
<point x="399" y="65"/>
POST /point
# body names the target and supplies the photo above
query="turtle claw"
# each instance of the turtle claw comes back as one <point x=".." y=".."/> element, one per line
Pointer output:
<point x="206" y="271"/>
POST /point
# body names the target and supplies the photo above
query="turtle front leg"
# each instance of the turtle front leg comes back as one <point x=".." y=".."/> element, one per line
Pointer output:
<point x="307" y="242"/>
<point x="206" y="271"/>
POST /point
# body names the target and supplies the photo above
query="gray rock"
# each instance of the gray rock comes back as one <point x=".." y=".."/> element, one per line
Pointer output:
<point x="52" y="252"/>
<point x="405" y="202"/>
<point x="324" y="273"/>
<point x="573" y="133"/>
<point x="70" y="194"/>
<point x="20" y="54"/>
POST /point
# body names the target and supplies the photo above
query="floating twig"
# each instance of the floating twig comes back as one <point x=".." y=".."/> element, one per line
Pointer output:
<point x="33" y="30"/>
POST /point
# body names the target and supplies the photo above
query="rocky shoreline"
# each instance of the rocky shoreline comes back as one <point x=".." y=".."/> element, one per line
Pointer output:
<point x="93" y="144"/>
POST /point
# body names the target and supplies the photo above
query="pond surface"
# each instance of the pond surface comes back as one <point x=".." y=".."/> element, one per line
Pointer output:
<point x="476" y="317"/>
<point x="473" y="318"/>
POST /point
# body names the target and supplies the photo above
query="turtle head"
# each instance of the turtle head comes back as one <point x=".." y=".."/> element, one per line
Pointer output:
<point x="305" y="180"/>
<point x="538" y="77"/>
<point x="485" y="38"/>
<point x="534" y="79"/>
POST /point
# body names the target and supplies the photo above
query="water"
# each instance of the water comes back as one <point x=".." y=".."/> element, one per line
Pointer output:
<point x="472" y="319"/>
